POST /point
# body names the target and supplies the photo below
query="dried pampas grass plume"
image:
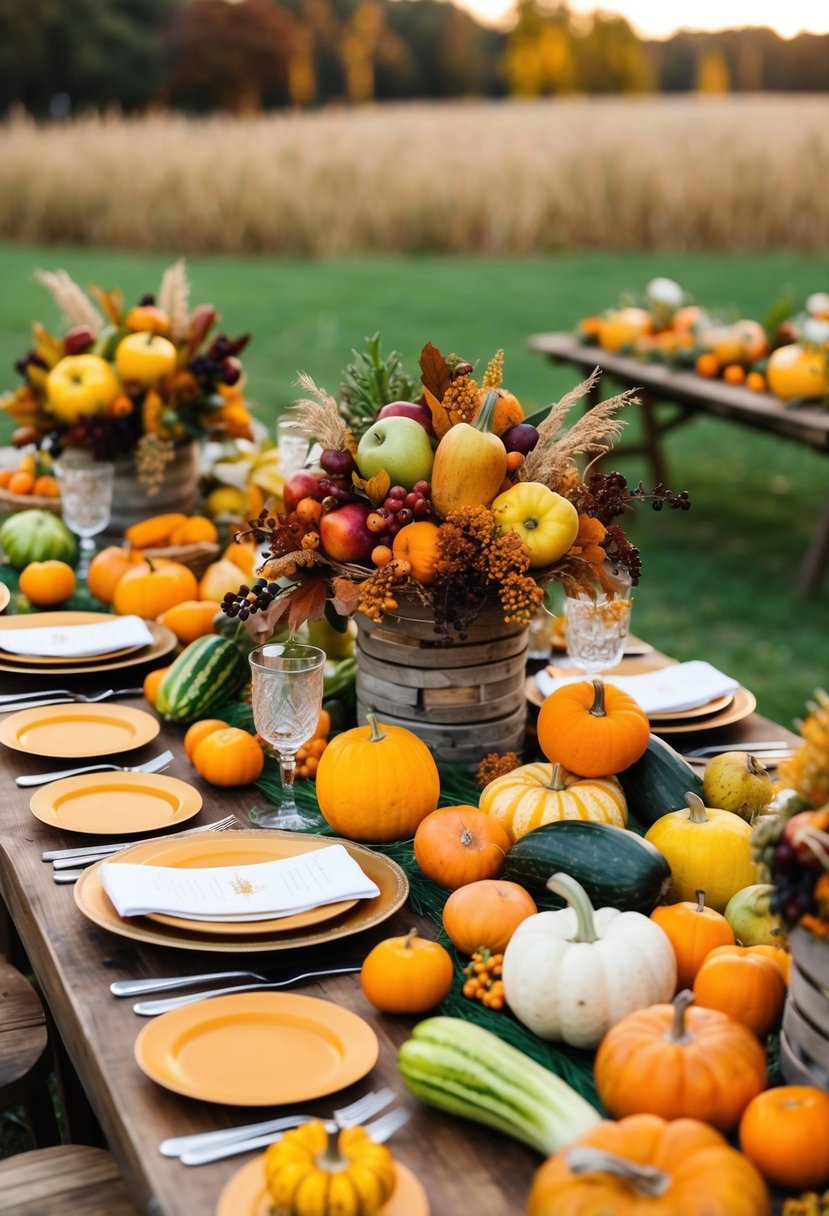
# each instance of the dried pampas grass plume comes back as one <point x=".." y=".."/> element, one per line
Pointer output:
<point x="553" y="458"/>
<point x="75" y="305"/>
<point x="319" y="415"/>
<point x="174" y="299"/>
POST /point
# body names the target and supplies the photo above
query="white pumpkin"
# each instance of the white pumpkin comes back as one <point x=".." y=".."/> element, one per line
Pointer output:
<point x="571" y="975"/>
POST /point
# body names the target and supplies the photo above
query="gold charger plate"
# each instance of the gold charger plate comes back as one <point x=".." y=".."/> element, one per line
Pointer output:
<point x="164" y="642"/>
<point x="257" y="1049"/>
<point x="743" y="704"/>
<point x="714" y="706"/>
<point x="109" y="804"/>
<point x="94" y="903"/>
<point x="245" y="1194"/>
<point x="224" y="849"/>
<point x="77" y="731"/>
<point x="5" y="596"/>
<point x="59" y="620"/>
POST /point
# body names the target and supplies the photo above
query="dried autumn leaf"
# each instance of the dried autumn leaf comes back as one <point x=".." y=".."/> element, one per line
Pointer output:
<point x="434" y="371"/>
<point x="307" y="602"/>
<point x="440" y="417"/>
<point x="346" y="595"/>
<point x="262" y="625"/>
<point x="111" y="303"/>
<point x="375" y="488"/>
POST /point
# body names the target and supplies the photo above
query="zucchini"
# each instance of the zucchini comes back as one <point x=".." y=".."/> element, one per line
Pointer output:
<point x="658" y="782"/>
<point x="617" y="868"/>
<point x="469" y="1071"/>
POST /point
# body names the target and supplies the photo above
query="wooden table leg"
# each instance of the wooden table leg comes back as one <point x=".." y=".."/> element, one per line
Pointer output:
<point x="652" y="441"/>
<point x="82" y="1127"/>
<point x="817" y="557"/>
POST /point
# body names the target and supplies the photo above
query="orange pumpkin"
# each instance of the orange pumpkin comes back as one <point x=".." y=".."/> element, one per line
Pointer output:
<point x="377" y="782"/>
<point x="228" y="757"/>
<point x="644" y="1164"/>
<point x="677" y="1062"/>
<point x="694" y="931"/>
<point x="191" y="619"/>
<point x="47" y="583"/>
<point x="417" y="544"/>
<point x="780" y="957"/>
<point x="486" y="913"/>
<point x="152" y="683"/>
<point x="106" y="570"/>
<point x="245" y="555"/>
<point x="456" y="845"/>
<point x="151" y="587"/>
<point x="198" y="731"/>
<point x="785" y="1132"/>
<point x="748" y="987"/>
<point x="592" y="728"/>
<point x="508" y="412"/>
<point x="406" y="974"/>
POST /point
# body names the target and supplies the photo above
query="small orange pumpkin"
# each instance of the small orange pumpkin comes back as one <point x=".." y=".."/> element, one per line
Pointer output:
<point x="106" y="570"/>
<point x="417" y="544"/>
<point x="785" y="1132"/>
<point x="406" y="974"/>
<point x="643" y="1164"/>
<point x="780" y="957"/>
<point x="152" y="683"/>
<point x="456" y="845"/>
<point x="748" y="987"/>
<point x="676" y="1062"/>
<point x="151" y="587"/>
<point x="592" y="728"/>
<point x="486" y="913"/>
<point x="198" y="731"/>
<point x="191" y="619"/>
<point x="228" y="757"/>
<point x="47" y="583"/>
<point x="694" y="931"/>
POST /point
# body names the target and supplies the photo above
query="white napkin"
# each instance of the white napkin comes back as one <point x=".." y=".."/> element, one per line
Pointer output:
<point x="75" y="641"/>
<point x="262" y="891"/>
<point x="668" y="690"/>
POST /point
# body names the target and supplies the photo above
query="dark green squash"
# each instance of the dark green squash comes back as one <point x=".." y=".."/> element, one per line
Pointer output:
<point x="658" y="782"/>
<point x="617" y="868"/>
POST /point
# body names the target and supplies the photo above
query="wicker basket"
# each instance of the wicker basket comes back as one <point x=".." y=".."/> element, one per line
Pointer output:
<point x="10" y="504"/>
<point x="197" y="557"/>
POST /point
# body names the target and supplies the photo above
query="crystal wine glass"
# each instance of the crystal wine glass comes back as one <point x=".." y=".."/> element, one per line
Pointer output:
<point x="86" y="501"/>
<point x="597" y="627"/>
<point x="287" y="698"/>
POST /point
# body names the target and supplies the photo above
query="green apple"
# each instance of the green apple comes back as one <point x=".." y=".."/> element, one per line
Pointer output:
<point x="400" y="446"/>
<point x="751" y="918"/>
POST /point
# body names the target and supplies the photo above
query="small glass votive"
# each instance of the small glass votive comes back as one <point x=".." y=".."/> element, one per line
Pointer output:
<point x="293" y="443"/>
<point x="542" y="632"/>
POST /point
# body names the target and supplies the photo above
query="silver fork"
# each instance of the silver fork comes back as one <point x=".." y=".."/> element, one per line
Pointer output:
<point x="61" y="696"/>
<point x="156" y="765"/>
<point x="85" y="858"/>
<point x="363" y="1108"/>
<point x="149" y="1009"/>
<point x="379" y="1129"/>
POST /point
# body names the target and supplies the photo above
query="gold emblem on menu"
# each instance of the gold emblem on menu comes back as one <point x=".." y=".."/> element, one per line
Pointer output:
<point x="243" y="886"/>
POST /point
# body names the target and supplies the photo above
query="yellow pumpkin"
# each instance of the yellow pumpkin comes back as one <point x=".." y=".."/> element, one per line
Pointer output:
<point x="228" y="757"/>
<point x="707" y="849"/>
<point x="219" y="578"/>
<point x="377" y="782"/>
<point x="329" y="1173"/>
<point x="546" y="522"/>
<point x="540" y="793"/>
<point x="623" y="326"/>
<point x="798" y="372"/>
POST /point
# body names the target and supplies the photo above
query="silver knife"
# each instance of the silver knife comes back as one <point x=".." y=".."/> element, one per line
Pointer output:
<point x="758" y="748"/>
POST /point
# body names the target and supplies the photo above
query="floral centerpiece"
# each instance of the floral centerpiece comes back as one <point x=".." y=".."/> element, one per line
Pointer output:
<point x="454" y="498"/>
<point x="129" y="379"/>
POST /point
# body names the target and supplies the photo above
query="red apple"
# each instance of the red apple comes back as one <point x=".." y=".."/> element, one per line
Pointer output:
<point x="409" y="409"/>
<point x="344" y="534"/>
<point x="78" y="339"/>
<point x="303" y="483"/>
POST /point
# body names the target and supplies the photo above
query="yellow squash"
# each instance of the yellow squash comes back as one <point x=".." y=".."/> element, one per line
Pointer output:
<point x="314" y="1172"/>
<point x="546" y="522"/>
<point x="470" y="463"/>
<point x="707" y="849"/>
<point x="536" y="794"/>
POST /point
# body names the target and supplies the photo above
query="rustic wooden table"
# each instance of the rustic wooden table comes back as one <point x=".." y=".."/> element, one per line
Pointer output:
<point x="691" y="395"/>
<point x="463" y="1166"/>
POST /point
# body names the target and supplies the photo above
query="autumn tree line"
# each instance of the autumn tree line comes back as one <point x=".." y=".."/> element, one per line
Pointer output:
<point x="247" y="56"/>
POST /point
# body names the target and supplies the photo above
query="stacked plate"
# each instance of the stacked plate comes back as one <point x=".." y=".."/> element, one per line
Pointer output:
<point x="163" y="643"/>
<point x="721" y="711"/>
<point x="325" y="923"/>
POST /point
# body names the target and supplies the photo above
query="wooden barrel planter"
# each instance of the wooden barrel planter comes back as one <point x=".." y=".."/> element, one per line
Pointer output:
<point x="178" y="491"/>
<point x="804" y="1056"/>
<point x="462" y="700"/>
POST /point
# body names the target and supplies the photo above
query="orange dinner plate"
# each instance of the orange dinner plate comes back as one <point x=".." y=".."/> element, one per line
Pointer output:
<point x="257" y="1049"/>
<point x="245" y="1194"/>
<point x="78" y="731"/>
<point x="109" y="804"/>
<point x="232" y="849"/>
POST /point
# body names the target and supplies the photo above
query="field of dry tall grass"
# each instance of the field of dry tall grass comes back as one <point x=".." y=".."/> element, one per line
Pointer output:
<point x="680" y="173"/>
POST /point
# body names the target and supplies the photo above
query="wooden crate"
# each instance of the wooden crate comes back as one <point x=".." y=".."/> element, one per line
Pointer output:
<point x="463" y="700"/>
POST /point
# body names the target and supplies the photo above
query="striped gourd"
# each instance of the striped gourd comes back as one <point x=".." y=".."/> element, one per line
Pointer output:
<point x="207" y="673"/>
<point x="540" y="793"/>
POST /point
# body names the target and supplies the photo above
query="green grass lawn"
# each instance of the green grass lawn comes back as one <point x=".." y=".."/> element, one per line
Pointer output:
<point x="718" y="580"/>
